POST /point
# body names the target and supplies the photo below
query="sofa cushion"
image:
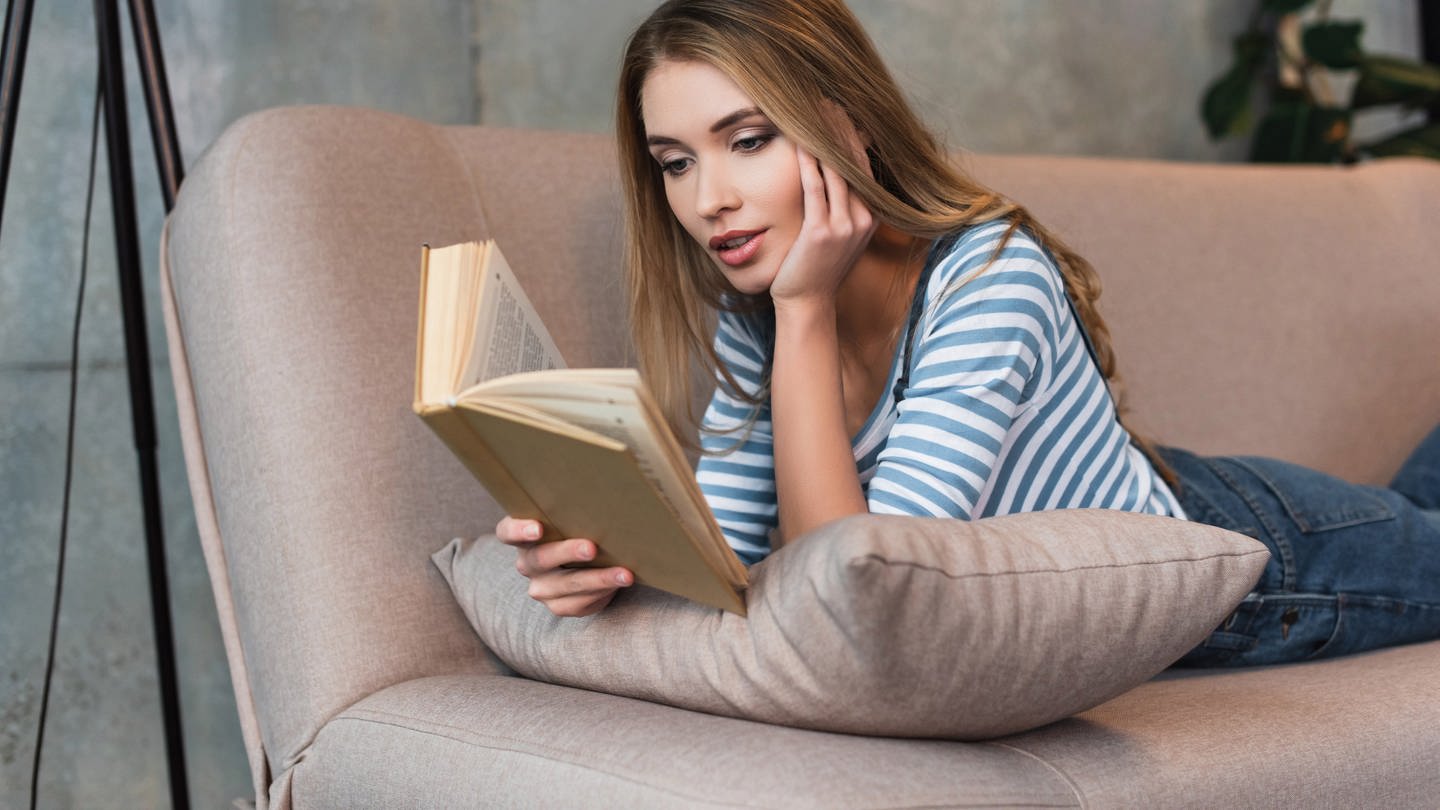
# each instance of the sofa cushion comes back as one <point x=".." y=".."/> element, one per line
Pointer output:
<point x="893" y="626"/>
<point x="487" y="741"/>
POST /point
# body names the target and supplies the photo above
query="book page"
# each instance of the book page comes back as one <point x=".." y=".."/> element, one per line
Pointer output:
<point x="510" y="337"/>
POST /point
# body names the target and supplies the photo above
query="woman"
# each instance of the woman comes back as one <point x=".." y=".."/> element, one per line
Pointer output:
<point x="892" y="337"/>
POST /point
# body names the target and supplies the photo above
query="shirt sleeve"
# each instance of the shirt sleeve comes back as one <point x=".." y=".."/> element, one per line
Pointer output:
<point x="736" y="472"/>
<point x="983" y="349"/>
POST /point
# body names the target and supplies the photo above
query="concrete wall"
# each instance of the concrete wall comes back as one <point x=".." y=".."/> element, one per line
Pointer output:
<point x="1109" y="77"/>
<point x="1087" y="77"/>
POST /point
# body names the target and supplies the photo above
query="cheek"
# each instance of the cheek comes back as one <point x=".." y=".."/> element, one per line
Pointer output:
<point x="774" y="185"/>
<point x="681" y="208"/>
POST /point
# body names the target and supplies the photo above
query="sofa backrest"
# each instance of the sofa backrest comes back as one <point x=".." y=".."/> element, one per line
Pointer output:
<point x="1288" y="311"/>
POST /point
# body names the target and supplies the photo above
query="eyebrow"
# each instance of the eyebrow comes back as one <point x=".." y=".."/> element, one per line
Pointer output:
<point x="727" y="121"/>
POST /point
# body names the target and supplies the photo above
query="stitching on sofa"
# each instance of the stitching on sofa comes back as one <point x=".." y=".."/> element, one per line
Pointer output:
<point x="1026" y="572"/>
<point x="1055" y="769"/>
<point x="516" y="746"/>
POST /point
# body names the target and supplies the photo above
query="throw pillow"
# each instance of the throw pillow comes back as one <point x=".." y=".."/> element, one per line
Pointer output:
<point x="894" y="626"/>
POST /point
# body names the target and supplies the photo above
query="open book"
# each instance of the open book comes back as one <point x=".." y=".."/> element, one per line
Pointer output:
<point x="587" y="452"/>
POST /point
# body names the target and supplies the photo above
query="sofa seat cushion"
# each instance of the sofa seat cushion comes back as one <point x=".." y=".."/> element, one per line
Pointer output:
<point x="494" y="741"/>
<point x="1357" y="731"/>
<point x="1350" y="732"/>
<point x="896" y="626"/>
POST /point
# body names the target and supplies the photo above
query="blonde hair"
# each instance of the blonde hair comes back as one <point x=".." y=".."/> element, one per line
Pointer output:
<point x="794" y="58"/>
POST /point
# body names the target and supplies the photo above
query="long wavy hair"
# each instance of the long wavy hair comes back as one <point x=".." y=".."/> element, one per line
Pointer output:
<point x="793" y="57"/>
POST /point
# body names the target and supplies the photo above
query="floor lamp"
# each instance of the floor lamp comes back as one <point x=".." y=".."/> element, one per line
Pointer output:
<point x="127" y="246"/>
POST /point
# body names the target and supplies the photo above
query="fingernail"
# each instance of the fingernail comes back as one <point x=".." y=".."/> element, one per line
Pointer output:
<point x="586" y="551"/>
<point x="622" y="578"/>
<point x="532" y="532"/>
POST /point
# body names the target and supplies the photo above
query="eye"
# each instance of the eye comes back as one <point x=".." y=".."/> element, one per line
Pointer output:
<point x="675" y="166"/>
<point x="753" y="142"/>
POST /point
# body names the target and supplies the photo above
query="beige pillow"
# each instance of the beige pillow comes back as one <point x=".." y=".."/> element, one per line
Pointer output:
<point x="896" y="626"/>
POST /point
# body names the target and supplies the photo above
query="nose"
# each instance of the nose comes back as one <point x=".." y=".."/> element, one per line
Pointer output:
<point x="715" y="193"/>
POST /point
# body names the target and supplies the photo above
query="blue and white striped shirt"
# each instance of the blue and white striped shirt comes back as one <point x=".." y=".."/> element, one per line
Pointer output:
<point x="1003" y="411"/>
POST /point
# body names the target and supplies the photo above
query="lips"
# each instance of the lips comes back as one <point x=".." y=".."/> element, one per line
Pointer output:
<point x="737" y="247"/>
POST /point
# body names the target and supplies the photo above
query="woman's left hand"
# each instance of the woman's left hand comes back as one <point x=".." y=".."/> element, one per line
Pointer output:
<point x="835" y="231"/>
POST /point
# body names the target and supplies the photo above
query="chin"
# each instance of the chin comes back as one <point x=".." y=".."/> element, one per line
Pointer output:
<point x="748" y="280"/>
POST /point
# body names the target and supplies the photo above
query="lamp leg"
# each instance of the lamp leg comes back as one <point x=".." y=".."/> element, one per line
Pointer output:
<point x="142" y="407"/>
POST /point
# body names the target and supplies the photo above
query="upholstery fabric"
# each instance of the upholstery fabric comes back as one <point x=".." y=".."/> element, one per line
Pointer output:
<point x="1359" y="731"/>
<point x="492" y="741"/>
<point x="1310" y="735"/>
<point x="896" y="626"/>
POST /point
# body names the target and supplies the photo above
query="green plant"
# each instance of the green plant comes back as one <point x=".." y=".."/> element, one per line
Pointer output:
<point x="1301" y="62"/>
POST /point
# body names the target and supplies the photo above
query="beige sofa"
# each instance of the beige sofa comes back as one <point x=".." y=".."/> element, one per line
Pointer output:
<point x="1292" y="312"/>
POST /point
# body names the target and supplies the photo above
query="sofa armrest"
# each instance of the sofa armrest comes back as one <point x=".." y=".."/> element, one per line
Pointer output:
<point x="293" y="253"/>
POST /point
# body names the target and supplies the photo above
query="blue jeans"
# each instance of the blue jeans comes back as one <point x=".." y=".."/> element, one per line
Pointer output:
<point x="1351" y="567"/>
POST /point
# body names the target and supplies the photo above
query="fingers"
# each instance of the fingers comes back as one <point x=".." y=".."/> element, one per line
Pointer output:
<point x="577" y="606"/>
<point x="837" y="194"/>
<point x="579" y="582"/>
<point x="828" y="201"/>
<point x="565" y="591"/>
<point x="812" y="184"/>
<point x="513" y="531"/>
<point x="536" y="559"/>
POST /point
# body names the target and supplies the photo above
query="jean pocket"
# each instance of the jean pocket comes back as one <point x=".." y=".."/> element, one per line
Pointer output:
<point x="1315" y="501"/>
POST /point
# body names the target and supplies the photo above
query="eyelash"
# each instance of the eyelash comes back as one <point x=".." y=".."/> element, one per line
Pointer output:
<point x="677" y="167"/>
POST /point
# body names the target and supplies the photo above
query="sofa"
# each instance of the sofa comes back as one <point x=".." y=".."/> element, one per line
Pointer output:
<point x="1284" y="311"/>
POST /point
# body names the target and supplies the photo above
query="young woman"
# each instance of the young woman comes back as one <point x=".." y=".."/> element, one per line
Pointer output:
<point x="893" y="337"/>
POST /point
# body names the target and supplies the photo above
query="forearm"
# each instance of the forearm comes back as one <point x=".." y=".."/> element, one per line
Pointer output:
<point x="815" y="477"/>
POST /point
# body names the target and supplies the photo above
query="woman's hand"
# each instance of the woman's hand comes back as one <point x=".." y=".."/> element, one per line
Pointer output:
<point x="566" y="591"/>
<point x="835" y="231"/>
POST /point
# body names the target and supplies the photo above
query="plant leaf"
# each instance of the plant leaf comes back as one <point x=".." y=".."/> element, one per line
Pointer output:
<point x="1296" y="132"/>
<point x="1250" y="49"/>
<point x="1391" y="80"/>
<point x="1284" y="6"/>
<point x="1226" y="106"/>
<point x="1334" y="44"/>
<point x="1422" y="141"/>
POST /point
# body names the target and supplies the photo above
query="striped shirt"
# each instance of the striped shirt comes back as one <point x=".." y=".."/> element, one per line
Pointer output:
<point x="1003" y="409"/>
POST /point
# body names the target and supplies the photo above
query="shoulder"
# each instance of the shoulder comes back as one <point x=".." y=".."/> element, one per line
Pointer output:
<point x="991" y="258"/>
<point x="994" y="296"/>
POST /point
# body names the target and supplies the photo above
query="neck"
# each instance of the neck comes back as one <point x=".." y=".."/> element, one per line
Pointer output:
<point x="875" y="296"/>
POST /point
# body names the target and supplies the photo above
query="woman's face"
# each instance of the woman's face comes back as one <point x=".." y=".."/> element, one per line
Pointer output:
<point x="731" y="178"/>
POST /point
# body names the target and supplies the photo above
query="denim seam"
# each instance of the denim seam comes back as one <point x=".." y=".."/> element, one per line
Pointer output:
<point x="1335" y="632"/>
<point x="1350" y="597"/>
<point x="1377" y="511"/>
<point x="1288" y="574"/>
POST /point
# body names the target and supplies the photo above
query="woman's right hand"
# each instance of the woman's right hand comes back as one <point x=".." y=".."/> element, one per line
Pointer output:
<point x="566" y="591"/>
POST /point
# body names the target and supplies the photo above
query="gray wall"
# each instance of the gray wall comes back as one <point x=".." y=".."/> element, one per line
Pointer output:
<point x="1103" y="77"/>
<point x="1085" y="77"/>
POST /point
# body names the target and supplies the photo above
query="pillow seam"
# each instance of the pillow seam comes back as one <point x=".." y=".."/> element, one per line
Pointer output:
<point x="872" y="557"/>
